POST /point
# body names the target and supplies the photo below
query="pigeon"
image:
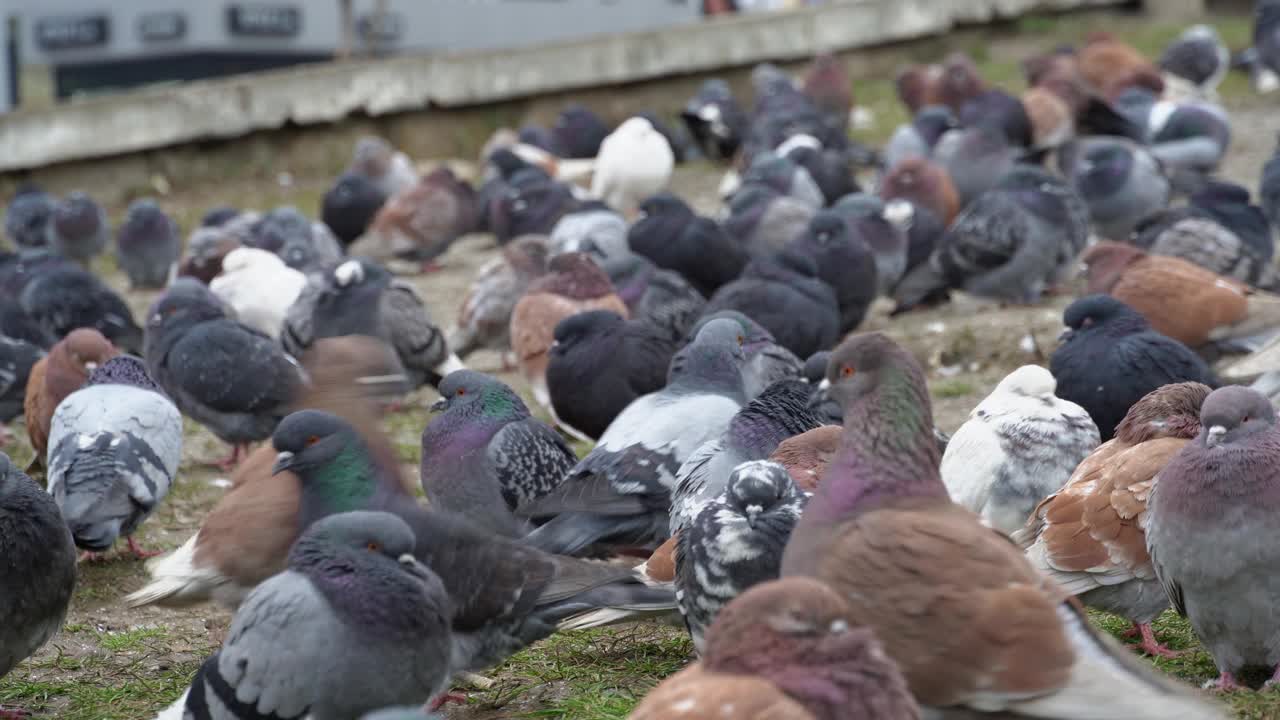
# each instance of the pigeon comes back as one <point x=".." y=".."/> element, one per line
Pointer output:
<point x="832" y="169"/>
<point x="1190" y="234"/>
<point x="593" y="228"/>
<point x="662" y="298"/>
<point x="1269" y="188"/>
<point x="635" y="161"/>
<point x="1266" y="45"/>
<point x="767" y="362"/>
<point x="148" y="246"/>
<point x="484" y="457"/>
<point x="716" y="121"/>
<point x="259" y="287"/>
<point x="787" y="650"/>
<point x="574" y="284"/>
<point x="224" y="375"/>
<point x="780" y="412"/>
<point x="1229" y="204"/>
<point x="1178" y="298"/>
<point x="206" y="247"/>
<point x="882" y="229"/>
<point x="1216" y="491"/>
<point x="422" y="221"/>
<point x="925" y="184"/>
<point x="975" y="158"/>
<point x="484" y="319"/>
<point x="1198" y="58"/>
<point x="246" y="537"/>
<point x="734" y="541"/>
<point x="27" y="219"/>
<point x="807" y="455"/>
<point x="349" y="207"/>
<point x="1089" y="536"/>
<point x="1111" y="66"/>
<point x="1189" y="137"/>
<point x="78" y="229"/>
<point x="114" y="449"/>
<point x="1051" y="118"/>
<point x="1120" y="181"/>
<point x="17" y="359"/>
<point x="916" y="139"/>
<point x="40" y="567"/>
<point x="390" y="170"/>
<point x="762" y="221"/>
<point x="600" y="362"/>
<point x="933" y="582"/>
<point x="620" y="492"/>
<point x="400" y="713"/>
<point x="505" y="594"/>
<point x="781" y="174"/>
<point x="994" y="108"/>
<point x="63" y="298"/>
<point x="1019" y="445"/>
<point x="827" y="84"/>
<point x="529" y="203"/>
<point x="673" y="237"/>
<point x="785" y="296"/>
<point x="57" y="375"/>
<point x="950" y="83"/>
<point x="1110" y="358"/>
<point x="352" y="594"/>
<point x="302" y="244"/>
<point x="578" y="133"/>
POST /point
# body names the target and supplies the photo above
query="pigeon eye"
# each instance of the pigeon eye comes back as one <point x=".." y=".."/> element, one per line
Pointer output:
<point x="462" y="391"/>
<point x="373" y="546"/>
<point x="1246" y="419"/>
<point x="1086" y="322"/>
<point x="313" y="440"/>
<point x="847" y="371"/>
<point x="741" y="339"/>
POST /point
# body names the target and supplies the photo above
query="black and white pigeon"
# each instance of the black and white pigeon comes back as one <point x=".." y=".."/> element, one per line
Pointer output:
<point x="227" y="376"/>
<point x="39" y="562"/>
<point x="716" y="121"/>
<point x="600" y="363"/>
<point x="735" y="541"/>
<point x="114" y="449"/>
<point x="1198" y="59"/>
<point x="485" y="457"/>
<point x="780" y="412"/>
<point x="619" y="494"/>
<point x="61" y="297"/>
<point x="767" y="362"/>
<point x="26" y="220"/>
<point x="352" y="625"/>
<point x="78" y="229"/>
<point x="148" y="245"/>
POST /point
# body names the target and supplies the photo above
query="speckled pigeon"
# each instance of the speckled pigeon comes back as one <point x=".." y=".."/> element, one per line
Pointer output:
<point x="62" y="298"/>
<point x="485" y="457"/>
<point x="148" y="245"/>
<point x="620" y="492"/>
<point x="114" y="449"/>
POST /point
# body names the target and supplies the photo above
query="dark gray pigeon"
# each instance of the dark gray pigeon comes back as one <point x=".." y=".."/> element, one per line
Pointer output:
<point x="782" y="411"/>
<point x="354" y="624"/>
<point x="1188" y="137"/>
<point x="833" y="170"/>
<point x="781" y="174"/>
<point x="148" y="245"/>
<point x="662" y="298"/>
<point x="40" y="568"/>
<point x="767" y="362"/>
<point x="1192" y="235"/>
<point x="226" y="376"/>
<point x="484" y="457"/>
<point x="17" y="357"/>
<point x="78" y="229"/>
<point x="671" y="235"/>
<point x="762" y="220"/>
<point x="114" y="449"/>
<point x="1198" y="57"/>
<point x="975" y="158"/>
<point x="735" y="541"/>
<point x="26" y="220"/>
<point x="350" y="205"/>
<point x="1269" y="188"/>
<point x="619" y="494"/>
<point x="506" y="595"/>
<point x="63" y="297"/>
<point x="600" y="363"/>
<point x="1119" y="180"/>
<point x="917" y="138"/>
<point x="845" y="262"/>
<point x="1208" y="523"/>
<point x="302" y="244"/>
<point x="1229" y="204"/>
<point x="883" y="228"/>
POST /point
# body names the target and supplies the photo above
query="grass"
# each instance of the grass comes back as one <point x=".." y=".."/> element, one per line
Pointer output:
<point x="952" y="388"/>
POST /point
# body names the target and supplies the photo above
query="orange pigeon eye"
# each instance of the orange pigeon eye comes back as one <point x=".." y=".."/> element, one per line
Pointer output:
<point x="313" y="439"/>
<point x="462" y="391"/>
<point x="847" y="371"/>
<point x="741" y="339"/>
<point x="373" y="547"/>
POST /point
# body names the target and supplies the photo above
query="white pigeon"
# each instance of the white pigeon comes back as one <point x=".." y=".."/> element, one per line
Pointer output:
<point x="259" y="287"/>
<point x="635" y="161"/>
<point x="1019" y="445"/>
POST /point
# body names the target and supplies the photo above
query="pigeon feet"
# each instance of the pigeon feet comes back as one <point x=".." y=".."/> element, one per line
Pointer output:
<point x="440" y="700"/>
<point x="229" y="462"/>
<point x="138" y="552"/>
<point x="8" y="712"/>
<point x="430" y="266"/>
<point x="88" y="556"/>
<point x="1149" y="644"/>
<point x="1226" y="682"/>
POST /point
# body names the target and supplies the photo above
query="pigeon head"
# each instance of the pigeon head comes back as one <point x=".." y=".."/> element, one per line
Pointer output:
<point x="85" y="349"/>
<point x="1104" y="169"/>
<point x="78" y="216"/>
<point x="931" y="121"/>
<point x="358" y="272"/>
<point x="960" y="79"/>
<point x="478" y="396"/>
<point x="1031" y="381"/>
<point x="815" y="368"/>
<point x="574" y="275"/>
<point x="145" y="217"/>
<point x="756" y="487"/>
<point x="206" y="248"/>
<point x="754" y="335"/>
<point x="1105" y="262"/>
<point x="186" y="302"/>
<point x="1233" y="414"/>
<point x="218" y="216"/>
<point x="713" y="359"/>
<point x="124" y="370"/>
<point x="922" y="182"/>
<point x="276" y="228"/>
<point x="870" y="366"/>
<point x="578" y="132"/>
<point x="372" y="157"/>
<point x="827" y="229"/>
<point x="310" y="439"/>
<point x="584" y="326"/>
<point x="1094" y="313"/>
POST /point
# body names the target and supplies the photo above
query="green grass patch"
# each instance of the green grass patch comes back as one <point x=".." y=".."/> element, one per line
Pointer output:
<point x="953" y="388"/>
<point x="135" y="639"/>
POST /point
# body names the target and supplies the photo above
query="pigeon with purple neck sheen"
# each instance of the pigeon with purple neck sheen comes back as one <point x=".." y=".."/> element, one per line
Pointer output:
<point x="506" y="594"/>
<point x="1210" y="533"/>
<point x="785" y="650"/>
<point x="734" y="541"/>
<point x="1121" y="181"/>
<point x="670" y="234"/>
<point x="620" y="493"/>
<point x="148" y="245"/>
<point x="484" y="457"/>
<point x="972" y="625"/>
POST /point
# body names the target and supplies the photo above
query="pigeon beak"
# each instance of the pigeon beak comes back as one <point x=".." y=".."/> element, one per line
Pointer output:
<point x="91" y="366"/>
<point x="838" y="627"/>
<point x="824" y="384"/>
<point x="1215" y="435"/>
<point x="284" y="461"/>
<point x="440" y="405"/>
<point x="414" y="567"/>
<point x="1065" y="334"/>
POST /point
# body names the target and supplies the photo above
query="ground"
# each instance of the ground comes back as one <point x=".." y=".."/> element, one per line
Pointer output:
<point x="114" y="663"/>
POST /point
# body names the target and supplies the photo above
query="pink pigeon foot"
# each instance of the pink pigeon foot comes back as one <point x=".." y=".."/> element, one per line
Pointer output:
<point x="90" y="556"/>
<point x="1153" y="647"/>
<point x="449" y="697"/>
<point x="8" y="712"/>
<point x="139" y="553"/>
<point x="229" y="462"/>
<point x="1226" y="682"/>
<point x="430" y="266"/>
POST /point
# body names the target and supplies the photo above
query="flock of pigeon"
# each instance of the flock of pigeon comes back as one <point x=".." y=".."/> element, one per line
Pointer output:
<point x="830" y="551"/>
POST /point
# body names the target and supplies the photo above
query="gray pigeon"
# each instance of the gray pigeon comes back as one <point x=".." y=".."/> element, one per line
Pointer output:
<point x="620" y="492"/>
<point x="1190" y="235"/>
<point x="753" y="434"/>
<point x="1210" y="532"/>
<point x="660" y="297"/>
<point x="594" y="229"/>
<point x="114" y="449"/>
<point x="353" y="625"/>
<point x="917" y="138"/>
<point x="1189" y="137"/>
<point x="767" y="361"/>
<point x="867" y="218"/>
<point x="735" y="541"/>
<point x="224" y="375"/>
<point x="78" y="229"/>
<point x="302" y="244"/>
<point x="26" y="220"/>
<point x="1198" y="58"/>
<point x="39" y="563"/>
<point x="1121" y="182"/>
<point x="784" y="176"/>
<point x="763" y="220"/>
<point x="975" y="158"/>
<point x="148" y="245"/>
<point x="485" y="457"/>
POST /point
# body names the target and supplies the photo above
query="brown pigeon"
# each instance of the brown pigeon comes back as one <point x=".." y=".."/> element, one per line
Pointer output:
<point x="574" y="284"/>
<point x="951" y="83"/>
<point x="421" y="222"/>
<point x="958" y="607"/>
<point x="806" y="456"/>
<point x="1111" y="66"/>
<point x="925" y="184"/>
<point x="57" y="375"/>
<point x="785" y="650"/>
<point x="1089" y="536"/>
